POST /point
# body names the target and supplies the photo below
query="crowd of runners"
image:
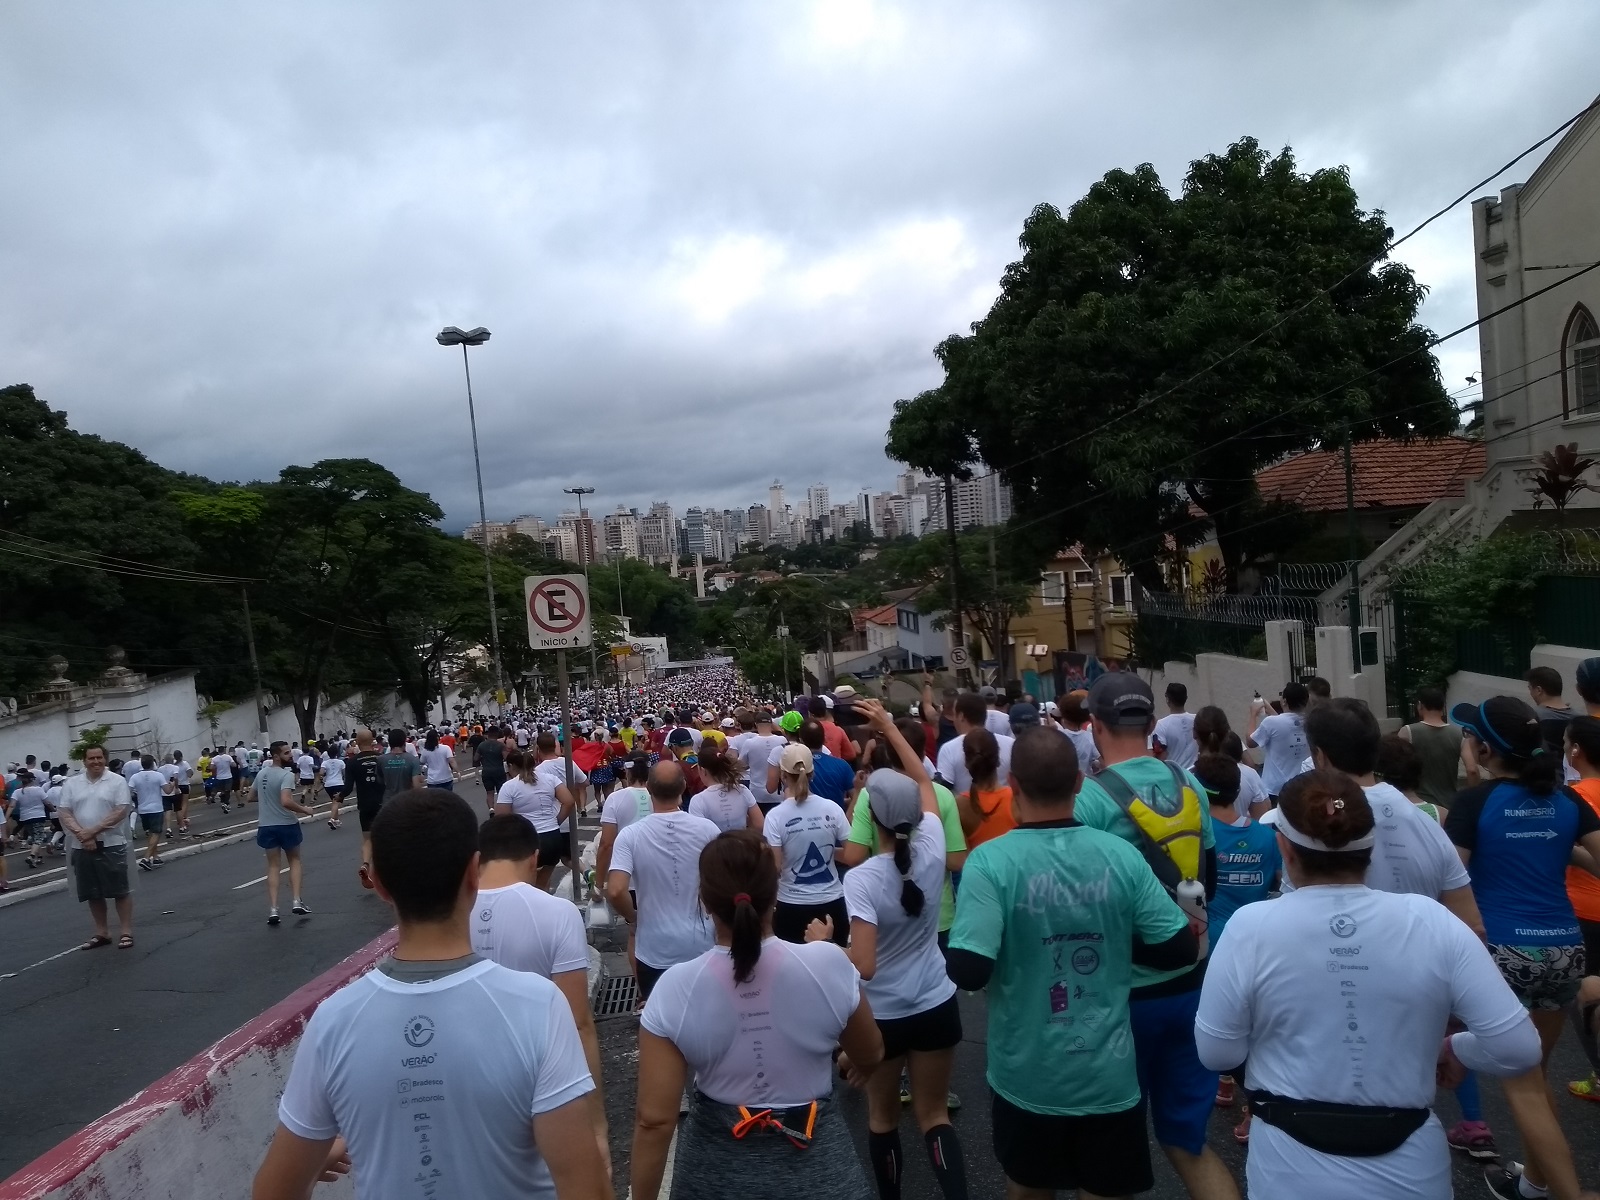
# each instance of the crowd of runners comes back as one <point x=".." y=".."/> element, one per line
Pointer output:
<point x="1305" y="920"/>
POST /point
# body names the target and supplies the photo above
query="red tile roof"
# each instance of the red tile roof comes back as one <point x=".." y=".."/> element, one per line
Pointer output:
<point x="883" y="615"/>
<point x="1388" y="474"/>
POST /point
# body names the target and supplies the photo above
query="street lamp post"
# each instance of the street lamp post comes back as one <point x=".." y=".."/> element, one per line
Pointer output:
<point x="583" y="560"/>
<point x="452" y="336"/>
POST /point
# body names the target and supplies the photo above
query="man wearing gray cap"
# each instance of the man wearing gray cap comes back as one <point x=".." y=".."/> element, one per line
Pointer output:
<point x="1179" y="1089"/>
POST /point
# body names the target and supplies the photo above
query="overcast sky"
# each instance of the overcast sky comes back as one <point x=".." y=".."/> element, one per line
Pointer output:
<point x="714" y="241"/>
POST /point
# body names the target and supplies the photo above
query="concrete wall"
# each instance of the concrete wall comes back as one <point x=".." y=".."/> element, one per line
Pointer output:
<point x="202" y="1130"/>
<point x="1470" y="687"/>
<point x="42" y="731"/>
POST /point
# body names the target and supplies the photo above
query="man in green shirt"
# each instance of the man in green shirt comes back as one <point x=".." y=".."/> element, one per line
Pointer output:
<point x="1179" y="1090"/>
<point x="1052" y="917"/>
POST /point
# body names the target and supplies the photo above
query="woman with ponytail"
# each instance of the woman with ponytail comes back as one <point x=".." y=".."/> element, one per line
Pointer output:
<point x="1516" y="832"/>
<point x="756" y="1020"/>
<point x="893" y="902"/>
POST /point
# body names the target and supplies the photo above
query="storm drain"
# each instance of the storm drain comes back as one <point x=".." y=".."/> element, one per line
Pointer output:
<point x="616" y="998"/>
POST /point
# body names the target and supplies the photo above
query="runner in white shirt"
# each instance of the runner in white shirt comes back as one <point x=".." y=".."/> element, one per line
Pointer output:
<point x="149" y="786"/>
<point x="519" y="926"/>
<point x="438" y="763"/>
<point x="1213" y="735"/>
<point x="726" y="803"/>
<point x="756" y="1020"/>
<point x="332" y="773"/>
<point x="1282" y="739"/>
<point x="804" y="832"/>
<point x="445" y="1074"/>
<point x="656" y="860"/>
<point x="893" y="900"/>
<point x="629" y="803"/>
<point x="1175" y="731"/>
<point x="305" y="764"/>
<point x="178" y="773"/>
<point x="755" y="748"/>
<point x="952" y="759"/>
<point x="538" y="793"/>
<point x="1340" y="995"/>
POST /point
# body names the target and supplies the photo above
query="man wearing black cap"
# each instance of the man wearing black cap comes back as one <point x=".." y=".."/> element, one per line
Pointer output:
<point x="1179" y="1089"/>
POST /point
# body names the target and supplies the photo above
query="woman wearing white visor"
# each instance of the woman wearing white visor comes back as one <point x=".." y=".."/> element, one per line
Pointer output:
<point x="1336" y="997"/>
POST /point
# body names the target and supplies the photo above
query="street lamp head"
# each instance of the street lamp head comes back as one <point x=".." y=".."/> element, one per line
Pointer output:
<point x="452" y="336"/>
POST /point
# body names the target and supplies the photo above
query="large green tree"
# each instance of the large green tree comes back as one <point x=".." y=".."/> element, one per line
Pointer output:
<point x="1150" y="352"/>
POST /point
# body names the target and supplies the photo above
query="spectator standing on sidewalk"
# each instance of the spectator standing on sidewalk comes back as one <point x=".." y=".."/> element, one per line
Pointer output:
<point x="94" y="811"/>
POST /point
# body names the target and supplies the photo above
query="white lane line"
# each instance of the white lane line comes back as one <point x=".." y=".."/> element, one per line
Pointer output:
<point x="251" y="882"/>
<point x="42" y="961"/>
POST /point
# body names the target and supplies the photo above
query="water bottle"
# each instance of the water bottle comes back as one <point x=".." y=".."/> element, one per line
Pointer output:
<point x="1191" y="897"/>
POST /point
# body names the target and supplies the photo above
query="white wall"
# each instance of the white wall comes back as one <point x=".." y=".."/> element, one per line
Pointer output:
<point x="43" y="732"/>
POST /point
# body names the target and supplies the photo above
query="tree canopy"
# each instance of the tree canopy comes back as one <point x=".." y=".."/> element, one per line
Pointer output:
<point x="1149" y="353"/>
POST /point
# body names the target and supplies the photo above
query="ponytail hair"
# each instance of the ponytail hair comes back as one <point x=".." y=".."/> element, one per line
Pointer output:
<point x="1211" y="730"/>
<point x="739" y="886"/>
<point x="1540" y="772"/>
<point x="911" y="897"/>
<point x="799" y="785"/>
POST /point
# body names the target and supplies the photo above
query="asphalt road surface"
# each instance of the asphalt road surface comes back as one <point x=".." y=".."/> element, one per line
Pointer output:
<point x="90" y="1028"/>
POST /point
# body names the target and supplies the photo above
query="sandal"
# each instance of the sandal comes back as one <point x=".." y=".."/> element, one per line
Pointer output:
<point x="97" y="941"/>
<point x="125" y="942"/>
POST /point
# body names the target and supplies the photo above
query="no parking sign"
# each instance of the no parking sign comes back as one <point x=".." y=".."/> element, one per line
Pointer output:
<point x="558" y="611"/>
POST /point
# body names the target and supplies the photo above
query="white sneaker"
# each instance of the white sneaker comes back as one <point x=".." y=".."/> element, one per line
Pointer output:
<point x="300" y="908"/>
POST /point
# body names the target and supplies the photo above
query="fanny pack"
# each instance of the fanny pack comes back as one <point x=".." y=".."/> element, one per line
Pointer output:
<point x="1347" y="1130"/>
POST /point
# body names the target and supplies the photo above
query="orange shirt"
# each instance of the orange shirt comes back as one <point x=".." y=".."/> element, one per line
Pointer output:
<point x="995" y="810"/>
<point x="1583" y="889"/>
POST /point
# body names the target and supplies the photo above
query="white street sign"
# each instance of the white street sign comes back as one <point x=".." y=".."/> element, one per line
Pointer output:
<point x="783" y="632"/>
<point x="558" y="611"/>
<point x="959" y="657"/>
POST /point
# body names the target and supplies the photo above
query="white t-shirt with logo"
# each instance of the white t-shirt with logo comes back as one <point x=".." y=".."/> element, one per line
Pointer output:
<point x="755" y="751"/>
<point x="147" y="787"/>
<point x="221" y="766"/>
<point x="1176" y="731"/>
<point x="1343" y="993"/>
<point x="1282" y="738"/>
<point x="521" y="927"/>
<point x="910" y="977"/>
<point x="808" y="834"/>
<point x="767" y="1042"/>
<point x="404" y="1072"/>
<point x="661" y="855"/>
<point x="1412" y="854"/>
<point x="725" y="807"/>
<point x="625" y="806"/>
<point x="333" y="771"/>
<point x="952" y="763"/>
<point x="306" y="767"/>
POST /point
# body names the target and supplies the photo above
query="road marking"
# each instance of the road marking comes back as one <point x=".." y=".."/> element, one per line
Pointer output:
<point x="251" y="882"/>
<point x="42" y="961"/>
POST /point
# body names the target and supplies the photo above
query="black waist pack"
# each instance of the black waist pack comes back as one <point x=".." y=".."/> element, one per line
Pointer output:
<point x="1348" y="1130"/>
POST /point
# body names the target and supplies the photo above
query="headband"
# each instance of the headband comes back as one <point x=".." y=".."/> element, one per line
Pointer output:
<point x="1306" y="842"/>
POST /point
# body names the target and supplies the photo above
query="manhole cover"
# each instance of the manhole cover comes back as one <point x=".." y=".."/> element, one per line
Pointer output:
<point x="616" y="998"/>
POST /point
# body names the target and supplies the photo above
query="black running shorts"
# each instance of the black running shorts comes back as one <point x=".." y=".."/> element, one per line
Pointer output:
<point x="1104" y="1153"/>
<point x="939" y="1028"/>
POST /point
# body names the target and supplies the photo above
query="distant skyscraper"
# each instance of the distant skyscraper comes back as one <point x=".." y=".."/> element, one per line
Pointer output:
<point x="775" y="502"/>
<point x="622" y="533"/>
<point x="695" y="528"/>
<point x="817" y="501"/>
<point x="758" y="525"/>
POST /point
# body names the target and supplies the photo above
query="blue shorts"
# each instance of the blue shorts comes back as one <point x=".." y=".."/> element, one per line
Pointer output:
<point x="1178" y="1089"/>
<point x="279" y="837"/>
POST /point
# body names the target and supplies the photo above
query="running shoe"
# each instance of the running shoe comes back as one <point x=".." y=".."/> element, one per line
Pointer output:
<point x="145" y="865"/>
<point x="158" y="861"/>
<point x="272" y="916"/>
<point x="1225" y="1091"/>
<point x="1585" y="1089"/>
<point x="1473" y="1139"/>
<point x="301" y="909"/>
<point x="225" y="806"/>
<point x="1502" y="1181"/>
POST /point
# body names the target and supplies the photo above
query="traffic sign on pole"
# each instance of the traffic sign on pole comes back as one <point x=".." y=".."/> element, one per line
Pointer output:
<point x="960" y="657"/>
<point x="558" y="611"/>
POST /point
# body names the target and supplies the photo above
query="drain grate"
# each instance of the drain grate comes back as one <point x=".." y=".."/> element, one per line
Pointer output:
<point x="616" y="998"/>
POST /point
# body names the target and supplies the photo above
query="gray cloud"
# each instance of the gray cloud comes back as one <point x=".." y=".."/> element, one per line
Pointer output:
<point x="714" y="241"/>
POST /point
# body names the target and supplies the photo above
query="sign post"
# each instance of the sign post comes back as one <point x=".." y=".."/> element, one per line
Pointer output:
<point x="558" y="619"/>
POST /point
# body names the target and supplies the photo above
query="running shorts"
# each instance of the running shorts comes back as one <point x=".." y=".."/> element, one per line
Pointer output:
<point x="1180" y="1090"/>
<point x="36" y="832"/>
<point x="1544" y="978"/>
<point x="153" y="823"/>
<point x="939" y="1028"/>
<point x="1104" y="1153"/>
<point x="279" y="837"/>
<point x="493" y="781"/>
<point x="170" y="803"/>
<point x="554" y="846"/>
<point x="789" y="921"/>
<point x="367" y="811"/>
<point x="336" y="792"/>
<point x="648" y="977"/>
<point x="225" y="786"/>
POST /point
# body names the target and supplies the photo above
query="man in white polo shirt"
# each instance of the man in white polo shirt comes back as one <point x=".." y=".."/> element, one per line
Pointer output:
<point x="93" y="809"/>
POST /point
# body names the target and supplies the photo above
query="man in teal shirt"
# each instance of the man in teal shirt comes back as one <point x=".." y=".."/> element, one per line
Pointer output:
<point x="1052" y="917"/>
<point x="1179" y="1090"/>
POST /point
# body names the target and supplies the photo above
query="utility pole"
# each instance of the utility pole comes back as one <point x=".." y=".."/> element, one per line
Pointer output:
<point x="996" y="622"/>
<point x="1354" y="552"/>
<point x="255" y="667"/>
<point x="783" y="646"/>
<point x="957" y="634"/>
<point x="583" y="561"/>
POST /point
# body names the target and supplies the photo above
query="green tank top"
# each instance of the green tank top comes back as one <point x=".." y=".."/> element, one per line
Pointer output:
<point x="1431" y="809"/>
<point x="1439" y="748"/>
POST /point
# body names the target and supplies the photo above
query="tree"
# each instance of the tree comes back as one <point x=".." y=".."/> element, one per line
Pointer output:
<point x="1149" y="353"/>
<point x="763" y="663"/>
<point x="994" y="590"/>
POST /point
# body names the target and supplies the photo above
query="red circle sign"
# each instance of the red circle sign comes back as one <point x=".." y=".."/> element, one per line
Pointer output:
<point x="556" y="607"/>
